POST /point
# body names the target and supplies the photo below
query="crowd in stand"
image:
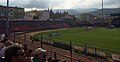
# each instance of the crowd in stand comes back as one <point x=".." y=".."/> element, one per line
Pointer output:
<point x="16" y="52"/>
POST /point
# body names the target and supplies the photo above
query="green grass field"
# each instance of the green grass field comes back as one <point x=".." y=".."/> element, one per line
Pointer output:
<point x="100" y="37"/>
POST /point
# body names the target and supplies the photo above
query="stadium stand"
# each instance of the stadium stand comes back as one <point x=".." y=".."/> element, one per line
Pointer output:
<point x="16" y="26"/>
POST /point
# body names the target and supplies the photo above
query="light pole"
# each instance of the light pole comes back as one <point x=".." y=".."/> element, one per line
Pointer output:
<point x="102" y="13"/>
<point x="102" y="8"/>
<point x="7" y="20"/>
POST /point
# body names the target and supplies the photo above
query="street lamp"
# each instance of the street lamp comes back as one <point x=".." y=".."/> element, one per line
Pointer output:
<point x="7" y="20"/>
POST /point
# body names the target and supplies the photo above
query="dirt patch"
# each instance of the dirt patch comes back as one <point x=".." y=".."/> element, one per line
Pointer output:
<point x="45" y="31"/>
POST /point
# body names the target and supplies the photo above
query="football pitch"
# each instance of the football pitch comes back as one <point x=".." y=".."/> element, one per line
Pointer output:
<point x="99" y="37"/>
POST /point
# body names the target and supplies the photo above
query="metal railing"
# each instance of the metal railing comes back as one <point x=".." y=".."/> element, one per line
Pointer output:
<point x="96" y="53"/>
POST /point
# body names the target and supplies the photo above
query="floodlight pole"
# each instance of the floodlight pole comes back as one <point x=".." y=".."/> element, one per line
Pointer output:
<point x="7" y="20"/>
<point x="102" y="12"/>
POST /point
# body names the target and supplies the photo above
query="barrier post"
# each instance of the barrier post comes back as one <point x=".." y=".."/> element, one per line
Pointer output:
<point x="85" y="49"/>
<point x="14" y="38"/>
<point x="55" y="57"/>
<point x="96" y="53"/>
<point x="25" y="38"/>
<point x="71" y="50"/>
<point x="41" y="42"/>
<point x="51" y="47"/>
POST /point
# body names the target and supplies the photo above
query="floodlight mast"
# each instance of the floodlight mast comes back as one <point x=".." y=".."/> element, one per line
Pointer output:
<point x="7" y="20"/>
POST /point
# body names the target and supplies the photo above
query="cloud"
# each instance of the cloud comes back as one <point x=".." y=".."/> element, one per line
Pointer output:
<point x="88" y="4"/>
<point x="111" y="2"/>
<point x="38" y="4"/>
<point x="2" y="2"/>
<point x="64" y="4"/>
<point x="19" y="3"/>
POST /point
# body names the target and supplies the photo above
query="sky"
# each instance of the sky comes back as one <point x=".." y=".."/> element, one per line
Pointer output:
<point x="62" y="4"/>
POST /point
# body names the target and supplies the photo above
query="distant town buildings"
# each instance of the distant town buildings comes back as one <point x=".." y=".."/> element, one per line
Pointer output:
<point x="68" y="17"/>
<point x="15" y="13"/>
<point x="48" y="15"/>
<point x="44" y="15"/>
<point x="61" y="15"/>
<point x="115" y="19"/>
<point x="115" y="15"/>
<point x="37" y="15"/>
<point x="96" y="18"/>
<point x="87" y="18"/>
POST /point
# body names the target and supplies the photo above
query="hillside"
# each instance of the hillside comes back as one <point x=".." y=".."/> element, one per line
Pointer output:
<point x="76" y="11"/>
<point x="106" y="11"/>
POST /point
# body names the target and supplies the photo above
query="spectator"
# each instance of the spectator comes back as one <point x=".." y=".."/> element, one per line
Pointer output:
<point x="4" y="40"/>
<point x="19" y="42"/>
<point x="25" y="48"/>
<point x="39" y="55"/>
<point x="50" y="59"/>
<point x="0" y="40"/>
<point x="63" y="60"/>
<point x="2" y="52"/>
<point x="56" y="60"/>
<point x="15" y="53"/>
<point x="2" y="44"/>
<point x="29" y="53"/>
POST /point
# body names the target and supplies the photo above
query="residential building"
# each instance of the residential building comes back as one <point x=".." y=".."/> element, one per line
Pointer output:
<point x="14" y="13"/>
<point x="87" y="17"/>
<point x="30" y="15"/>
<point x="44" y="15"/>
<point x="37" y="15"/>
<point x="68" y="17"/>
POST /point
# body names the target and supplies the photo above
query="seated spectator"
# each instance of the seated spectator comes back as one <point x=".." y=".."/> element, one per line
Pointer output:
<point x="39" y="55"/>
<point x="56" y="60"/>
<point x="19" y="42"/>
<point x="50" y="59"/>
<point x="64" y="60"/>
<point x="2" y="44"/>
<point x="7" y="44"/>
<point x="4" y="40"/>
<point x="25" y="48"/>
<point x="15" y="53"/>
<point x="0" y="40"/>
<point x="29" y="53"/>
